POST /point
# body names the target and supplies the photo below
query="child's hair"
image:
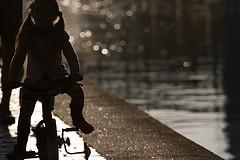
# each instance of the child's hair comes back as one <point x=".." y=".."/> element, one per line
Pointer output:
<point x="28" y="26"/>
<point x="37" y="3"/>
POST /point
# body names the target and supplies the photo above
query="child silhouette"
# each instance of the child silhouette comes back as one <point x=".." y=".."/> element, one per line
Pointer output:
<point x="43" y="40"/>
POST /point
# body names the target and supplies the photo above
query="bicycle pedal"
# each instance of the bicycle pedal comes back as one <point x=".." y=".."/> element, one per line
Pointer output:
<point x="71" y="129"/>
<point x="67" y="141"/>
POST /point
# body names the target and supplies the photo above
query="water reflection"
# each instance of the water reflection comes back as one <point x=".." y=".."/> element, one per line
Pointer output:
<point x="137" y="40"/>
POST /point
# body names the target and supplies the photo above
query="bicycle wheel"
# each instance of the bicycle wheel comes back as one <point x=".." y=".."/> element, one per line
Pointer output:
<point x="87" y="151"/>
<point x="47" y="140"/>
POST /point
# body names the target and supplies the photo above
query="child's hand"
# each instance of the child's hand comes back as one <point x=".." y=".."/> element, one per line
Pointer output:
<point x="76" y="76"/>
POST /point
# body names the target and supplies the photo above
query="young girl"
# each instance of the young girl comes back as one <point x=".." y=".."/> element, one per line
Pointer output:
<point x="43" y="40"/>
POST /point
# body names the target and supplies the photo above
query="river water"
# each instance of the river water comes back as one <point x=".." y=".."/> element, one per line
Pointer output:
<point x="165" y="56"/>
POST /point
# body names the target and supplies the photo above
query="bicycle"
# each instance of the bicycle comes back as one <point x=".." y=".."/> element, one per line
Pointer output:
<point x="47" y="140"/>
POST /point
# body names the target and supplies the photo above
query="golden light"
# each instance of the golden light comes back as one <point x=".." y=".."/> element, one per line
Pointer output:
<point x="105" y="51"/>
<point x="96" y="47"/>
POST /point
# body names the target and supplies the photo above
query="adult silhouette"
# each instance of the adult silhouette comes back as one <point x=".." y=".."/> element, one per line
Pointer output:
<point x="10" y="20"/>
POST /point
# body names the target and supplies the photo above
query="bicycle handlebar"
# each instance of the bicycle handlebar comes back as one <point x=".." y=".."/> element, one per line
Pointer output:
<point x="51" y="92"/>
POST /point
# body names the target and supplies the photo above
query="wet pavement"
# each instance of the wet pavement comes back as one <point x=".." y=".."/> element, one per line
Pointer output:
<point x="8" y="135"/>
<point x="123" y="132"/>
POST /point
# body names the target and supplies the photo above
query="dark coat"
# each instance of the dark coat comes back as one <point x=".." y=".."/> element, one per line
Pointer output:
<point x="44" y="55"/>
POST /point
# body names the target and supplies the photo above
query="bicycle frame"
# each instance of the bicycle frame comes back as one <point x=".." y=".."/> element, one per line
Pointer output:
<point x="48" y="142"/>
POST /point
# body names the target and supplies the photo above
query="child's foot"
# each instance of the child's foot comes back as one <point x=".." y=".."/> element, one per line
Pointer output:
<point x="84" y="126"/>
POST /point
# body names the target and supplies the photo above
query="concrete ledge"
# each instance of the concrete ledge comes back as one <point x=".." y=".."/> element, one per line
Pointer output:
<point x="123" y="132"/>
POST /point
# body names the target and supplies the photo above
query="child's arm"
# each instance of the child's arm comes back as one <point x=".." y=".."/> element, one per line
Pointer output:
<point x="17" y="63"/>
<point x="71" y="57"/>
<point x="20" y="51"/>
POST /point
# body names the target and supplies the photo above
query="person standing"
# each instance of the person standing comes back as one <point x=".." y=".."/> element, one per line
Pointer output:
<point x="10" y="21"/>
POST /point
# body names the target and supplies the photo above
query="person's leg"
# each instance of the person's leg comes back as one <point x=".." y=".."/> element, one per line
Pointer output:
<point x="47" y="107"/>
<point x="76" y="106"/>
<point x="8" y="47"/>
<point x="28" y="102"/>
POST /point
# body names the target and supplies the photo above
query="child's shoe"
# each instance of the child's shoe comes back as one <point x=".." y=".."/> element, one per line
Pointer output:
<point x="84" y="126"/>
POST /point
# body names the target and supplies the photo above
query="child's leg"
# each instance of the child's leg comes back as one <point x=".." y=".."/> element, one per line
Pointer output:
<point x="47" y="107"/>
<point x="76" y="106"/>
<point x="28" y="102"/>
<point x="77" y="102"/>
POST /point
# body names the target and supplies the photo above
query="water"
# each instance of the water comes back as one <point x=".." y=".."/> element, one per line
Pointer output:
<point x="165" y="56"/>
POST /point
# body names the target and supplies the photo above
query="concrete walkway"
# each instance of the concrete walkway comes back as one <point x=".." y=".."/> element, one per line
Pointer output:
<point x="123" y="132"/>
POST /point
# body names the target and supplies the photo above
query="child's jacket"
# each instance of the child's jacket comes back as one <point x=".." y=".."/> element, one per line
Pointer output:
<point x="44" y="58"/>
